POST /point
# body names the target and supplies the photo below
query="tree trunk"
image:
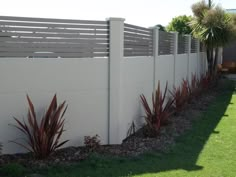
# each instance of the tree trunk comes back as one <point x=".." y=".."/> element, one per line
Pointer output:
<point x="215" y="60"/>
<point x="210" y="60"/>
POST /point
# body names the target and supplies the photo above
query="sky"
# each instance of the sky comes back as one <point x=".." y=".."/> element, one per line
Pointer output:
<point x="146" y="13"/>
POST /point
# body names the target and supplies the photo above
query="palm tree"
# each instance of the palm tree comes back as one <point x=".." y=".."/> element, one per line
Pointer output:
<point x="213" y="27"/>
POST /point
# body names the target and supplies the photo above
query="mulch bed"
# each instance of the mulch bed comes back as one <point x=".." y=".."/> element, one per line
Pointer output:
<point x="134" y="145"/>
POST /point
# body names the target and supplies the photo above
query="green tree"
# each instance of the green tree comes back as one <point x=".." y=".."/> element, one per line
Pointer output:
<point x="213" y="27"/>
<point x="161" y="27"/>
<point x="180" y="24"/>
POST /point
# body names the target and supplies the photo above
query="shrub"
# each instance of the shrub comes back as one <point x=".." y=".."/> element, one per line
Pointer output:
<point x="206" y="81"/>
<point x="195" y="87"/>
<point x="132" y="130"/>
<point x="92" y="143"/>
<point x="157" y="115"/>
<point x="43" y="138"/>
<point x="181" y="95"/>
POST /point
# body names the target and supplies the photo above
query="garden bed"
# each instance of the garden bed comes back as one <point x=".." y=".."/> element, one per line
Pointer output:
<point x="134" y="145"/>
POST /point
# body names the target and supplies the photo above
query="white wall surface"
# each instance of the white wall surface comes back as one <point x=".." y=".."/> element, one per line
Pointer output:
<point x="137" y="79"/>
<point x="181" y="68"/>
<point x="165" y="71"/>
<point x="193" y="64"/>
<point x="83" y="83"/>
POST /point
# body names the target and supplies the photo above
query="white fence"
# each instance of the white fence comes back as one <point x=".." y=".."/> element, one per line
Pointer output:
<point x="102" y="92"/>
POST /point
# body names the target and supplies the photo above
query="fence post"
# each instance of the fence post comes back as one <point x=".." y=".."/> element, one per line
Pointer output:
<point x="114" y="76"/>
<point x="188" y="52"/>
<point x="155" y="53"/>
<point x="175" y="53"/>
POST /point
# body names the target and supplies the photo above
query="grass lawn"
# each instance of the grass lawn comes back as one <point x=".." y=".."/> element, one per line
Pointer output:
<point x="207" y="150"/>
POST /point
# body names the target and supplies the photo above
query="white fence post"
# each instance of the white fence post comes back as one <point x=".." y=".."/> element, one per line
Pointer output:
<point x="116" y="55"/>
<point x="175" y="54"/>
<point x="189" y="52"/>
<point x="155" y="53"/>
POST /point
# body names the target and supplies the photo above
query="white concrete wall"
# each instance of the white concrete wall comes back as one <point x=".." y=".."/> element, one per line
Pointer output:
<point x="83" y="83"/>
<point x="165" y="70"/>
<point x="181" y="68"/>
<point x="137" y="79"/>
<point x="193" y="64"/>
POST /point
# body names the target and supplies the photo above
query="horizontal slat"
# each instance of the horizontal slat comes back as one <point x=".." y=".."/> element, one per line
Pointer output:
<point x="72" y="31"/>
<point x="137" y="46"/>
<point x="126" y="30"/>
<point x="126" y="25"/>
<point x="51" y="20"/>
<point x="165" y="53"/>
<point x="139" y="41"/>
<point x="138" y="50"/>
<point x="137" y="54"/>
<point x="166" y="38"/>
<point x="58" y="45"/>
<point x="53" y="50"/>
<point x="138" y="35"/>
<point x="54" y="25"/>
<point x="132" y="38"/>
<point x="7" y="34"/>
<point x="53" y="40"/>
<point x="166" y="48"/>
<point x="5" y="54"/>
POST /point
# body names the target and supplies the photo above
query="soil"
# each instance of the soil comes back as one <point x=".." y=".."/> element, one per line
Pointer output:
<point x="133" y="145"/>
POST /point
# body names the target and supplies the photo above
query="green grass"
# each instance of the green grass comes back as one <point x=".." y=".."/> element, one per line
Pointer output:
<point x="207" y="150"/>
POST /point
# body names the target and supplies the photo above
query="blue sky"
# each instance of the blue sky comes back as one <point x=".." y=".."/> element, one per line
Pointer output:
<point x="145" y="13"/>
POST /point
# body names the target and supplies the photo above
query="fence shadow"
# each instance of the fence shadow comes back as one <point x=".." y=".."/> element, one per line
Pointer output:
<point x="188" y="147"/>
<point x="185" y="153"/>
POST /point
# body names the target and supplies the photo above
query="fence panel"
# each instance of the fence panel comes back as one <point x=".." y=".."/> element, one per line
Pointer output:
<point x="166" y="43"/>
<point x="138" y="41"/>
<point x="54" y="38"/>
<point x="182" y="44"/>
<point x="194" y="45"/>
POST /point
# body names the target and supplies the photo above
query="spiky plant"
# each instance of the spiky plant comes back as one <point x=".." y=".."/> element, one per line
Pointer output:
<point x="181" y="96"/>
<point x="195" y="87"/>
<point x="43" y="138"/>
<point x="158" y="113"/>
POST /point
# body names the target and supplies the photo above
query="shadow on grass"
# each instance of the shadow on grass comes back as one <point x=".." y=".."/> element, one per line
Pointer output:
<point x="183" y="155"/>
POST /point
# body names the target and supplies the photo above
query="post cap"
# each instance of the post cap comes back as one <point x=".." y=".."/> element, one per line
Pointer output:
<point x="115" y="19"/>
<point x="154" y="27"/>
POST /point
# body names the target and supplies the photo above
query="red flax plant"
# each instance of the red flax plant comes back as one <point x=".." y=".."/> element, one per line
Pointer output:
<point x="206" y="81"/>
<point x="195" y="87"/>
<point x="43" y="138"/>
<point x="181" y="96"/>
<point x="157" y="115"/>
